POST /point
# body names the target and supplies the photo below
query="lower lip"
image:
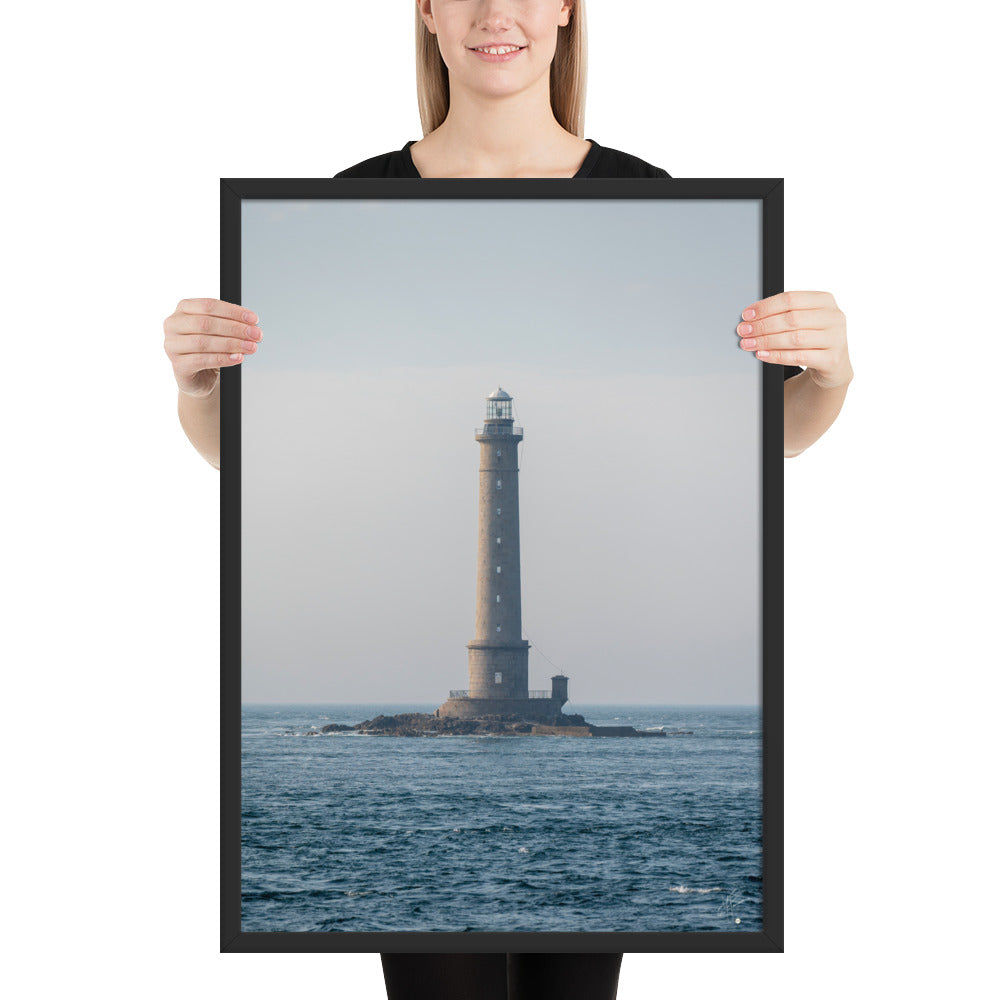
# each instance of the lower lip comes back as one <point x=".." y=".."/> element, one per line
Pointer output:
<point x="487" y="57"/>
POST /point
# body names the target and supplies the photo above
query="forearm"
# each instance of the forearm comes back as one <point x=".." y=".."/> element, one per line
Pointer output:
<point x="199" y="416"/>
<point x="809" y="410"/>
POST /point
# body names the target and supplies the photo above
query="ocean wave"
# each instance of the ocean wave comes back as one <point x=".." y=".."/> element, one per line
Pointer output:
<point x="609" y="830"/>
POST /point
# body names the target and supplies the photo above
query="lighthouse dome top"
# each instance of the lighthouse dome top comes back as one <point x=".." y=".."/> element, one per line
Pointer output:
<point x="499" y="406"/>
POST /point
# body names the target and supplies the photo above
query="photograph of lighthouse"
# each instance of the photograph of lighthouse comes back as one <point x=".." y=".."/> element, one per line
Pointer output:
<point x="500" y="603"/>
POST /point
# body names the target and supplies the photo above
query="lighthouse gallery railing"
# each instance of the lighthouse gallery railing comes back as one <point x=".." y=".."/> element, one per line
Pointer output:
<point x="498" y="430"/>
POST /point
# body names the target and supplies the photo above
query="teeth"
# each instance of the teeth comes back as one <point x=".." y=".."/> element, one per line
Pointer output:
<point x="501" y="50"/>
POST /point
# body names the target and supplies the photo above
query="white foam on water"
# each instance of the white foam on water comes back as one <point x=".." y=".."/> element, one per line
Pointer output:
<point x="523" y="850"/>
<point x="684" y="888"/>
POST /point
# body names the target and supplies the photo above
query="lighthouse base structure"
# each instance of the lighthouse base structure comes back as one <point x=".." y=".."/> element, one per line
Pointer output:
<point x="499" y="688"/>
<point x="546" y="710"/>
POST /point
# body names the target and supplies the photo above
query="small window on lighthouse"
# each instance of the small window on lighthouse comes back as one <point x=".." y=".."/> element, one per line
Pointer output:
<point x="498" y="598"/>
<point x="498" y="510"/>
<point x="498" y="539"/>
<point x="499" y="484"/>
<point x="499" y="452"/>
<point x="498" y="628"/>
<point x="498" y="678"/>
<point x="498" y="569"/>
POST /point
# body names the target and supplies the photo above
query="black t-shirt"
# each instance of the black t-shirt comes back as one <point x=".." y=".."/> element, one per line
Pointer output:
<point x="600" y="161"/>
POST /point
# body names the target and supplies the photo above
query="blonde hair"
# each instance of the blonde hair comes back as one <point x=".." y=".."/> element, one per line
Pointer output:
<point x="567" y="75"/>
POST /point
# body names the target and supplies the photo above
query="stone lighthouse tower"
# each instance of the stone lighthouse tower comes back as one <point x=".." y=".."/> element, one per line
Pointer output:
<point x="498" y="655"/>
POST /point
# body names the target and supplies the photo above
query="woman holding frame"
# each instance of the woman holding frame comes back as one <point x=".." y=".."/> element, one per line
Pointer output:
<point x="501" y="91"/>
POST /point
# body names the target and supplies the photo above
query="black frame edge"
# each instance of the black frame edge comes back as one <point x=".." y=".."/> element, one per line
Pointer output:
<point x="772" y="587"/>
<point x="480" y="187"/>
<point x="302" y="942"/>
<point x="229" y="582"/>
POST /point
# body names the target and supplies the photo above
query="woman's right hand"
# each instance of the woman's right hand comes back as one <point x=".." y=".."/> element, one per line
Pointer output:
<point x="203" y="336"/>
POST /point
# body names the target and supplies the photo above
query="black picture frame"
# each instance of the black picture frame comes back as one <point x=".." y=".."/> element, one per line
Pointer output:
<point x="769" y="194"/>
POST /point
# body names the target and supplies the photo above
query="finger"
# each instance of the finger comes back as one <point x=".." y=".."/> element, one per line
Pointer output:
<point x="784" y="301"/>
<point x="806" y="359"/>
<point x="216" y="307"/>
<point x="178" y="346"/>
<point x="794" y="319"/>
<point x="796" y="340"/>
<point x="200" y="323"/>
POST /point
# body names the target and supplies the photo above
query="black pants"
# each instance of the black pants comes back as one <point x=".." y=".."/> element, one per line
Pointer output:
<point x="501" y="977"/>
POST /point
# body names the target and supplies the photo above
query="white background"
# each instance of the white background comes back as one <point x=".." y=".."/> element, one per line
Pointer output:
<point x="118" y="121"/>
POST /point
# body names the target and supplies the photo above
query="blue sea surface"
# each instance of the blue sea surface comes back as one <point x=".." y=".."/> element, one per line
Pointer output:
<point x="350" y="832"/>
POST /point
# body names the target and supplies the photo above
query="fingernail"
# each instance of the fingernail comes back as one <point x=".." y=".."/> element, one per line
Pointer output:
<point x="249" y="346"/>
<point x="748" y="344"/>
<point x="249" y="317"/>
<point x="255" y="332"/>
<point x="235" y="357"/>
<point x="763" y="354"/>
<point x="744" y="328"/>
<point x="748" y="314"/>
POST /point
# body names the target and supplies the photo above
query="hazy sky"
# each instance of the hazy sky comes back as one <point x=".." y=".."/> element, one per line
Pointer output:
<point x="612" y="324"/>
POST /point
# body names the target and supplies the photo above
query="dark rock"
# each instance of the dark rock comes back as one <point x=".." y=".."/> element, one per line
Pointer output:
<point x="412" y="724"/>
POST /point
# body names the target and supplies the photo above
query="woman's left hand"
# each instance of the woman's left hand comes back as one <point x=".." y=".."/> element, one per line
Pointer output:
<point x="800" y="328"/>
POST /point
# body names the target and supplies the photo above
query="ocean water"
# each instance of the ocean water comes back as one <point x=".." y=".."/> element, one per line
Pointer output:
<point x="345" y="832"/>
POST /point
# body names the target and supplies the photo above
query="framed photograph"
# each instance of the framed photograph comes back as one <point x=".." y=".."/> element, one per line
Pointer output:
<point x="501" y="568"/>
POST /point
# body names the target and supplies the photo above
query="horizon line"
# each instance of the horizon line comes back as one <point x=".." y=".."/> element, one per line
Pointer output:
<point x="607" y="704"/>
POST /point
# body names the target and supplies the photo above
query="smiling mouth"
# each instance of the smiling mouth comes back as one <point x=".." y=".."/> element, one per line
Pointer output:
<point x="498" y="50"/>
